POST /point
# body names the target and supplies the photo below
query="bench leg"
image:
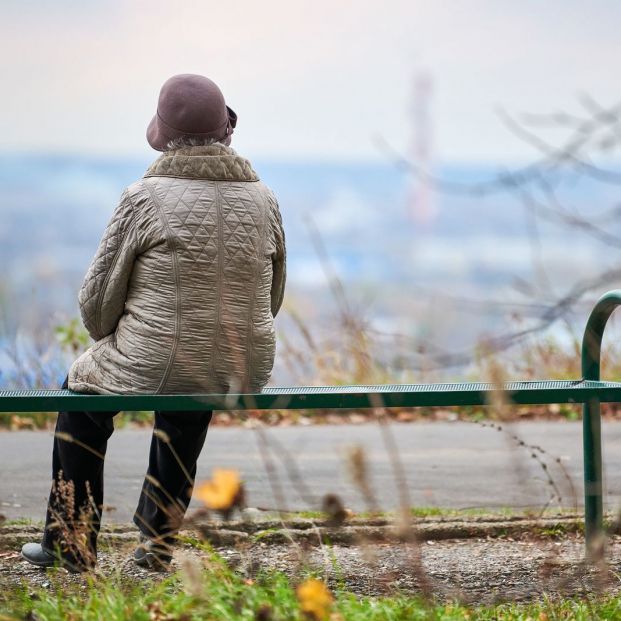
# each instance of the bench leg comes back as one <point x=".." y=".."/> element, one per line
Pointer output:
<point x="591" y="423"/>
<point x="593" y="505"/>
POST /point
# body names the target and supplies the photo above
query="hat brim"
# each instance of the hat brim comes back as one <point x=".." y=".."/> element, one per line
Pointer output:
<point x="159" y="139"/>
<point x="155" y="137"/>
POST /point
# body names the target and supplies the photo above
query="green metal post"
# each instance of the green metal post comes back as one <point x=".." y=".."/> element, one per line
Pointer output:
<point x="591" y="419"/>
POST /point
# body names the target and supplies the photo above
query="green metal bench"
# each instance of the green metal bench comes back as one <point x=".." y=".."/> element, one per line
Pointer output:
<point x="588" y="390"/>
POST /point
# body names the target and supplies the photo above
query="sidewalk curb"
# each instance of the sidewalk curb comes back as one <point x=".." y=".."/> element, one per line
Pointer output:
<point x="350" y="533"/>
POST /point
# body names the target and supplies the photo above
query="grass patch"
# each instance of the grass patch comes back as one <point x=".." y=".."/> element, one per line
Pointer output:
<point x="217" y="593"/>
<point x="442" y="513"/>
<point x="306" y="515"/>
<point x="257" y="537"/>
<point x="23" y="522"/>
<point x="486" y="512"/>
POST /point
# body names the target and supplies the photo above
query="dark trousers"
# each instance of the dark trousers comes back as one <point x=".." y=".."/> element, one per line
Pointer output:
<point x="76" y="500"/>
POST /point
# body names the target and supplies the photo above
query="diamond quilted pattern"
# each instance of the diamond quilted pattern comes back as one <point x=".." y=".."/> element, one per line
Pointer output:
<point x="189" y="273"/>
<point x="105" y="283"/>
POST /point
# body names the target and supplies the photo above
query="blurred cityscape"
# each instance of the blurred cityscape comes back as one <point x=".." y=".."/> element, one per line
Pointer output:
<point x="462" y="270"/>
<point x="433" y="259"/>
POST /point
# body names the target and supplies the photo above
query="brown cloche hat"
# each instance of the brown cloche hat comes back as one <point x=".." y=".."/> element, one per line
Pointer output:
<point x="190" y="105"/>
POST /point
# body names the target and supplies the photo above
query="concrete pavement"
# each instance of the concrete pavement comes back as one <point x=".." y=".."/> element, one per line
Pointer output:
<point x="453" y="465"/>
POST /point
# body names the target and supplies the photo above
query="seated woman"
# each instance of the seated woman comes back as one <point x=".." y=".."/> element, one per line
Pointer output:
<point x="180" y="298"/>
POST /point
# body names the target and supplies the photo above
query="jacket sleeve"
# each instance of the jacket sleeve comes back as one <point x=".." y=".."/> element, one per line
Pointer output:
<point x="104" y="290"/>
<point x="279" y="258"/>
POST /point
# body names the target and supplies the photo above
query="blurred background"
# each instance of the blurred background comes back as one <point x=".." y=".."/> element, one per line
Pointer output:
<point x="447" y="171"/>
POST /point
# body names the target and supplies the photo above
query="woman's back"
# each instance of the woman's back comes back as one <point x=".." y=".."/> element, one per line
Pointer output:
<point x="190" y="274"/>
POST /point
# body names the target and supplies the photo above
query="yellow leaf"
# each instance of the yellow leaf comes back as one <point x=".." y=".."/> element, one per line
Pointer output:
<point x="315" y="599"/>
<point x="220" y="493"/>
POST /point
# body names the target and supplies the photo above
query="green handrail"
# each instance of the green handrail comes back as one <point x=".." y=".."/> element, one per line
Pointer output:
<point x="591" y="420"/>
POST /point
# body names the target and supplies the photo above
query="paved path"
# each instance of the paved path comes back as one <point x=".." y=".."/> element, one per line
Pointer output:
<point x="446" y="464"/>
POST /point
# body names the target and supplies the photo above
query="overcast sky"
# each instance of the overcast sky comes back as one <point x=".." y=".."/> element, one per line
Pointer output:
<point x="309" y="79"/>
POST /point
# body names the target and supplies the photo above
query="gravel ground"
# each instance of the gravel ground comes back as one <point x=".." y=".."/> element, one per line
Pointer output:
<point x="473" y="570"/>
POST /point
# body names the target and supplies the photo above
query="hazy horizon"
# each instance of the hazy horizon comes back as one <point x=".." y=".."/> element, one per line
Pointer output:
<point x="415" y="73"/>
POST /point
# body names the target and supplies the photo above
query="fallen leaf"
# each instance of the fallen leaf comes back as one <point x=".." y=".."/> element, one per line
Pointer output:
<point x="222" y="491"/>
<point x="315" y="599"/>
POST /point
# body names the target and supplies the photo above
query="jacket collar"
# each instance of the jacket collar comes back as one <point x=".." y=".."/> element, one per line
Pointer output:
<point x="214" y="162"/>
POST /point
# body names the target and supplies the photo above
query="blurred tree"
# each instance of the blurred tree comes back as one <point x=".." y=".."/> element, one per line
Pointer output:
<point x="72" y="336"/>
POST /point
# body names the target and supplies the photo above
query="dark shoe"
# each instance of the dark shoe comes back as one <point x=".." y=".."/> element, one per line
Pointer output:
<point x="153" y="555"/>
<point x="37" y="555"/>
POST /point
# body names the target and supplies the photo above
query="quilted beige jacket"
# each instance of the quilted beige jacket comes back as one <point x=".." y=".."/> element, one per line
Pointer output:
<point x="190" y="272"/>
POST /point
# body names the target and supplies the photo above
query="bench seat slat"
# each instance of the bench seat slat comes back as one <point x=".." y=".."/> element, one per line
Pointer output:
<point x="323" y="397"/>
